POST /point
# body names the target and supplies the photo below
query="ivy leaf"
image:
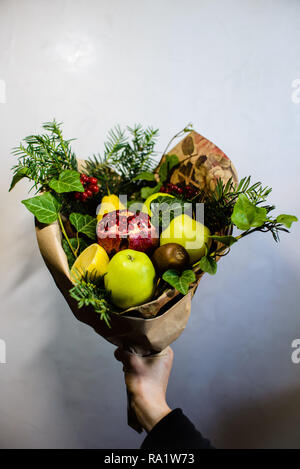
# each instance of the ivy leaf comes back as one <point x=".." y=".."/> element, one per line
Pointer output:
<point x="68" y="181"/>
<point x="163" y="172"/>
<point x="227" y="240"/>
<point x="84" y="224"/>
<point x="145" y="176"/>
<point x="172" y="161"/>
<point x="74" y="243"/>
<point x="45" y="207"/>
<point x="246" y="214"/>
<point x="164" y="209"/>
<point x="208" y="264"/>
<point x="180" y="282"/>
<point x="147" y="191"/>
<point x="169" y="163"/>
<point x="20" y="174"/>
<point x="286" y="220"/>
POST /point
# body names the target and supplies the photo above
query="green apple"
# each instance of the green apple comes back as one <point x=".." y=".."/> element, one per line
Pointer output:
<point x="191" y="234"/>
<point x="130" y="278"/>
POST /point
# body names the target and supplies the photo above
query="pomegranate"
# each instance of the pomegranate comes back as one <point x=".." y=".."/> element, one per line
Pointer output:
<point x="123" y="229"/>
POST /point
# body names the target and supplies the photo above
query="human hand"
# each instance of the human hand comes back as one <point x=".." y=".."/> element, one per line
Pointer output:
<point x="146" y="380"/>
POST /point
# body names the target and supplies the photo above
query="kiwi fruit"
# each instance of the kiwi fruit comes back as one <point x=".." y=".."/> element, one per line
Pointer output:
<point x="170" y="256"/>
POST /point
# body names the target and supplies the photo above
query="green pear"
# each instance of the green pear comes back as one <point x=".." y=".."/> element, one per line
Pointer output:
<point x="189" y="233"/>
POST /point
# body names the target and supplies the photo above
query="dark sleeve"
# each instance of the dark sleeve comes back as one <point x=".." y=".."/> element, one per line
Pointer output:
<point x="175" y="431"/>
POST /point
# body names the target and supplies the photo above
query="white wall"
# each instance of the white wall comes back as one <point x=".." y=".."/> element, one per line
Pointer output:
<point x="227" y="66"/>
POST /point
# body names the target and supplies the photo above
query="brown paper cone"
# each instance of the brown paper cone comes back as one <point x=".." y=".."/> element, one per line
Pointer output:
<point x="162" y="320"/>
<point x="139" y="335"/>
<point x="202" y="163"/>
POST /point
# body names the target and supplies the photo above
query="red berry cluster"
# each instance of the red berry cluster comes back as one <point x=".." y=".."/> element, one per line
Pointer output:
<point x="90" y="185"/>
<point x="185" y="192"/>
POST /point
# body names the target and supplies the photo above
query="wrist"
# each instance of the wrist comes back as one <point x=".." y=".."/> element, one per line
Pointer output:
<point x="149" y="413"/>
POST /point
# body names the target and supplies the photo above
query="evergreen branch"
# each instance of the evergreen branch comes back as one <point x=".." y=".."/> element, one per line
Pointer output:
<point x="44" y="156"/>
<point x="127" y="153"/>
<point x="219" y="205"/>
<point x="90" y="291"/>
<point x="115" y="142"/>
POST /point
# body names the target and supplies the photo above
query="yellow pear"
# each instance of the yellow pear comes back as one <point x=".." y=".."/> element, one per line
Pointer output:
<point x="109" y="203"/>
<point x="151" y="198"/>
<point x="189" y="233"/>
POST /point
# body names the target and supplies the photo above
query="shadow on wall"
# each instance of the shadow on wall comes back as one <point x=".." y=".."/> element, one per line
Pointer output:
<point x="269" y="423"/>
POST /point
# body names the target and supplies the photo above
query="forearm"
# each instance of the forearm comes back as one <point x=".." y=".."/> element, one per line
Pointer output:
<point x="149" y="413"/>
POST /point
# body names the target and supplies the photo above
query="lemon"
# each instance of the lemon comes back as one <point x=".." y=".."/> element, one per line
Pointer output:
<point x="109" y="203"/>
<point x="151" y="198"/>
<point x="93" y="259"/>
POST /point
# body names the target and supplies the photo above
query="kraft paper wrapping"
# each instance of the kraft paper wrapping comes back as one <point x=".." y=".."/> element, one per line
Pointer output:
<point x="139" y="335"/>
<point x="162" y="320"/>
<point x="160" y="323"/>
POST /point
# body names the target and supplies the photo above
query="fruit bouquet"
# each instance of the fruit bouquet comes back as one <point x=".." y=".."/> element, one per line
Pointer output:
<point x="127" y="240"/>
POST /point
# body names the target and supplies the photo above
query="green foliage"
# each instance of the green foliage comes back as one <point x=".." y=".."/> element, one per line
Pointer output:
<point x="147" y="191"/>
<point x="127" y="154"/>
<point x="145" y="176"/>
<point x="136" y="155"/>
<point x="246" y="214"/>
<point x="249" y="213"/>
<point x="166" y="167"/>
<point x="19" y="174"/>
<point x="91" y="292"/>
<point x="226" y="240"/>
<point x="208" y="264"/>
<point x="163" y="174"/>
<point x="78" y="245"/>
<point x="256" y="193"/>
<point x="180" y="281"/>
<point x="43" y="157"/>
<point x="164" y="209"/>
<point x="126" y="167"/>
<point x="44" y="207"/>
<point x="115" y="143"/>
<point x="84" y="224"/>
<point x="68" y="181"/>
<point x="286" y="220"/>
